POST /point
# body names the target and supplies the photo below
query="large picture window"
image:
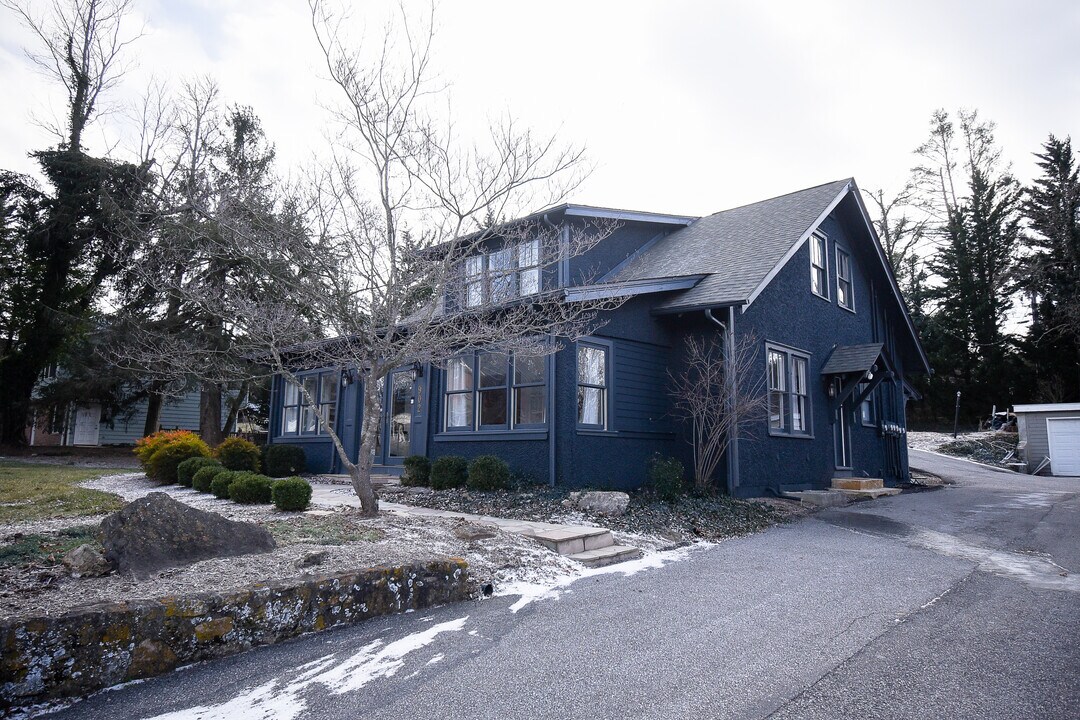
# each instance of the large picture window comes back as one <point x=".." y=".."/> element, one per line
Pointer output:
<point x="789" y="391"/>
<point x="300" y="418"/>
<point x="819" y="265"/>
<point x="495" y="391"/>
<point x="844" y="294"/>
<point x="592" y="381"/>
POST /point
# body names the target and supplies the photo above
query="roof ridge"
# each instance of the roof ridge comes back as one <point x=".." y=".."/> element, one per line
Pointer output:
<point x="777" y="197"/>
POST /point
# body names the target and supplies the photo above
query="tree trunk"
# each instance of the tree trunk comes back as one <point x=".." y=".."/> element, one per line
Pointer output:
<point x="360" y="472"/>
<point x="19" y="378"/>
<point x="210" y="414"/>
<point x="234" y="408"/>
<point x="154" y="403"/>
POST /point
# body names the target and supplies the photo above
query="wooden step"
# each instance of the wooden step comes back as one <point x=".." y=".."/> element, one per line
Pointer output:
<point x="571" y="540"/>
<point x="854" y="483"/>
<point x="870" y="493"/>
<point x="609" y="555"/>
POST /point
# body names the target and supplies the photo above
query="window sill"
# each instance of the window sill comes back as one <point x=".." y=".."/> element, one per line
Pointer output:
<point x="849" y="309"/>
<point x="301" y="438"/>
<point x="486" y="435"/>
<point x="792" y="435"/>
<point x="816" y="294"/>
<point x="625" y="434"/>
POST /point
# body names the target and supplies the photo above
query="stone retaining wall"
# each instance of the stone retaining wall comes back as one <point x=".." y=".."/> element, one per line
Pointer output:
<point x="94" y="647"/>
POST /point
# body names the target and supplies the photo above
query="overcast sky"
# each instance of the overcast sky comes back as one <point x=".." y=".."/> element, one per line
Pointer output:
<point x="685" y="107"/>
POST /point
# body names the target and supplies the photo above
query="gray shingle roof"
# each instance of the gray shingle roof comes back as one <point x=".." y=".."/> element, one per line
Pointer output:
<point x="735" y="248"/>
<point x="851" y="358"/>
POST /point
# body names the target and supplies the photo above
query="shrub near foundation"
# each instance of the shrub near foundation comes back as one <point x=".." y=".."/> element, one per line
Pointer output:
<point x="239" y="454"/>
<point x="147" y="446"/>
<point x="250" y="488"/>
<point x="185" y="471"/>
<point x="488" y="473"/>
<point x="166" y="459"/>
<point x="283" y="460"/>
<point x="417" y="471"/>
<point x="291" y="494"/>
<point x="202" y="478"/>
<point x="449" y="471"/>
<point x="219" y="486"/>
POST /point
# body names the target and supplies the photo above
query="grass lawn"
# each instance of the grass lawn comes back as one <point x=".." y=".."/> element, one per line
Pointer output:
<point x="30" y="491"/>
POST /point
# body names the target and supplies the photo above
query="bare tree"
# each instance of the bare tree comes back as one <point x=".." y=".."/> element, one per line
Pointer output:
<point x="82" y="42"/>
<point x="720" y="390"/>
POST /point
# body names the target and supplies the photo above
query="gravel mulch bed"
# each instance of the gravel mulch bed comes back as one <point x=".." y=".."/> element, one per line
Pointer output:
<point x="43" y="587"/>
<point x="688" y="520"/>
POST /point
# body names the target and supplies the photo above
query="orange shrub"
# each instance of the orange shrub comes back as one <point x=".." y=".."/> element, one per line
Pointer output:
<point x="147" y="446"/>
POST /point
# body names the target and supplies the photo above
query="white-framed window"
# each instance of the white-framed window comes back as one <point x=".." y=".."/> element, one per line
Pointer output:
<point x="592" y="381"/>
<point x="474" y="281"/>
<point x="819" y="265"/>
<point x="528" y="262"/>
<point x="300" y="418"/>
<point x="787" y="372"/>
<point x="867" y="414"/>
<point x="845" y="294"/>
<point x="490" y="391"/>
<point x="501" y="275"/>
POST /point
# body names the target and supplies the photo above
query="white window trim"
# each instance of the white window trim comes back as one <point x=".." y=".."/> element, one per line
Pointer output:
<point x="788" y="431"/>
<point x="850" y="280"/>
<point x="814" y="236"/>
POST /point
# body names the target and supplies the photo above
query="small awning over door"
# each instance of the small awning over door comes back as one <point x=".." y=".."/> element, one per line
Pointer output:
<point x="852" y="358"/>
<point x="851" y="364"/>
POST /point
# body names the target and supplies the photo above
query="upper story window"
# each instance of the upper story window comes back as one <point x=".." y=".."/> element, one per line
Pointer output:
<point x="495" y="391"/>
<point x="298" y="417"/>
<point x="592" y="381"/>
<point x="819" y="265"/>
<point x="789" y="393"/>
<point x="844" y="293"/>
<point x="503" y="275"/>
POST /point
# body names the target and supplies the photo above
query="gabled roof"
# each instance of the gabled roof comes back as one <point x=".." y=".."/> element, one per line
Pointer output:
<point x="852" y="358"/>
<point x="736" y="249"/>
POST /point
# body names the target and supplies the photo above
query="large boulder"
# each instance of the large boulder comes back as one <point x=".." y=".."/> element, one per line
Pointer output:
<point x="602" y="502"/>
<point x="156" y="532"/>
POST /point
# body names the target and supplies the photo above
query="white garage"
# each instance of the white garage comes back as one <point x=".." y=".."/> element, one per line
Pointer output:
<point x="1050" y="437"/>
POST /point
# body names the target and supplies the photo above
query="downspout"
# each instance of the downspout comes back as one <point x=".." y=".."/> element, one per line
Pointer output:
<point x="733" y="433"/>
<point x="551" y="394"/>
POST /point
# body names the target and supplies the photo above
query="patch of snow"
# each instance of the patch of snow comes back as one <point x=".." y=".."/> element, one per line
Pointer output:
<point x="531" y="591"/>
<point x="275" y="700"/>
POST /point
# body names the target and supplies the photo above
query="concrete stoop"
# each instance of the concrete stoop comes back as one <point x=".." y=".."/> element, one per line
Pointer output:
<point x="590" y="546"/>
<point x="843" y="491"/>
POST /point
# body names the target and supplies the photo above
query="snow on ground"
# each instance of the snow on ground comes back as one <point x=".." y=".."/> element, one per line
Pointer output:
<point x="932" y="441"/>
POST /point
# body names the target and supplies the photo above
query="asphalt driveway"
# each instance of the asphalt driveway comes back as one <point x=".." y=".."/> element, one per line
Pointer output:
<point x="960" y="603"/>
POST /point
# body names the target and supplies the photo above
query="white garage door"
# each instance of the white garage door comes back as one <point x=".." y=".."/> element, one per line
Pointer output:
<point x="1064" y="436"/>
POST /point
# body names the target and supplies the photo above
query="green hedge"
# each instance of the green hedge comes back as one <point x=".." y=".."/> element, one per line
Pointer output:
<point x="185" y="471"/>
<point x="666" y="477"/>
<point x="203" y="477"/>
<point x="450" y="471"/>
<point x="488" y="473"/>
<point x="291" y="494"/>
<point x="249" y="488"/>
<point x="417" y="471"/>
<point x="166" y="459"/>
<point x="239" y="454"/>
<point x="283" y="460"/>
<point x="221" y="483"/>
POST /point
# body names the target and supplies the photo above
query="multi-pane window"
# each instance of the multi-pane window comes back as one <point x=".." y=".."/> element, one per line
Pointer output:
<point x="592" y="385"/>
<point x="298" y="416"/>
<point x="777" y="366"/>
<point x="474" y="281"/>
<point x="789" y="392"/>
<point x="459" y="393"/>
<point x="819" y="265"/>
<point x="866" y="408"/>
<point x="530" y="391"/>
<point x="495" y="391"/>
<point x="844" y="294"/>
<point x="502" y="275"/>
<point x="528" y="262"/>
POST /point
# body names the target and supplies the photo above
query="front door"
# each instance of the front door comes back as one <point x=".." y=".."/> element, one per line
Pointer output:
<point x="842" y="433"/>
<point x="402" y="418"/>
<point x="87" y="425"/>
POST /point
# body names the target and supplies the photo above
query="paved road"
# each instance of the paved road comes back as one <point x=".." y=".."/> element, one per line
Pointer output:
<point x="957" y="603"/>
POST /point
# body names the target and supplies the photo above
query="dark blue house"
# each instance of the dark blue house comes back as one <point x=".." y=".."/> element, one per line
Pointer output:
<point x="804" y="273"/>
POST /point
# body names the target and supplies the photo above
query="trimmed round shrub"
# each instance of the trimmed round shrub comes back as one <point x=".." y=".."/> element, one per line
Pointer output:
<point x="239" y="454"/>
<point x="283" y="460"/>
<point x="202" y="478"/>
<point x="166" y="459"/>
<point x="221" y="483"/>
<point x="249" y="488"/>
<point x="185" y="471"/>
<point x="488" y="473"/>
<point x="417" y="471"/>
<point x="449" y="471"/>
<point x="147" y="446"/>
<point x="291" y="494"/>
<point x="666" y="477"/>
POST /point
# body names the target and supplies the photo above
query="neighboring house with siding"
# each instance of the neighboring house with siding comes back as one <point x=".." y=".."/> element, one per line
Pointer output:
<point x="89" y="424"/>
<point x="803" y="273"/>
<point x="1050" y="437"/>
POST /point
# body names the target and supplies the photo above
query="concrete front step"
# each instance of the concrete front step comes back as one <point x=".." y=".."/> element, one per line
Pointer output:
<point x="569" y="540"/>
<point x="853" y="483"/>
<point x="819" y="498"/>
<point x="609" y="555"/>
<point x="870" y="493"/>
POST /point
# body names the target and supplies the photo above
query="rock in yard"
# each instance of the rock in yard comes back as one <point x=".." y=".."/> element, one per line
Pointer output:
<point x="87" y="561"/>
<point x="156" y="532"/>
<point x="600" y="501"/>
<point x="469" y="531"/>
<point x="312" y="559"/>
